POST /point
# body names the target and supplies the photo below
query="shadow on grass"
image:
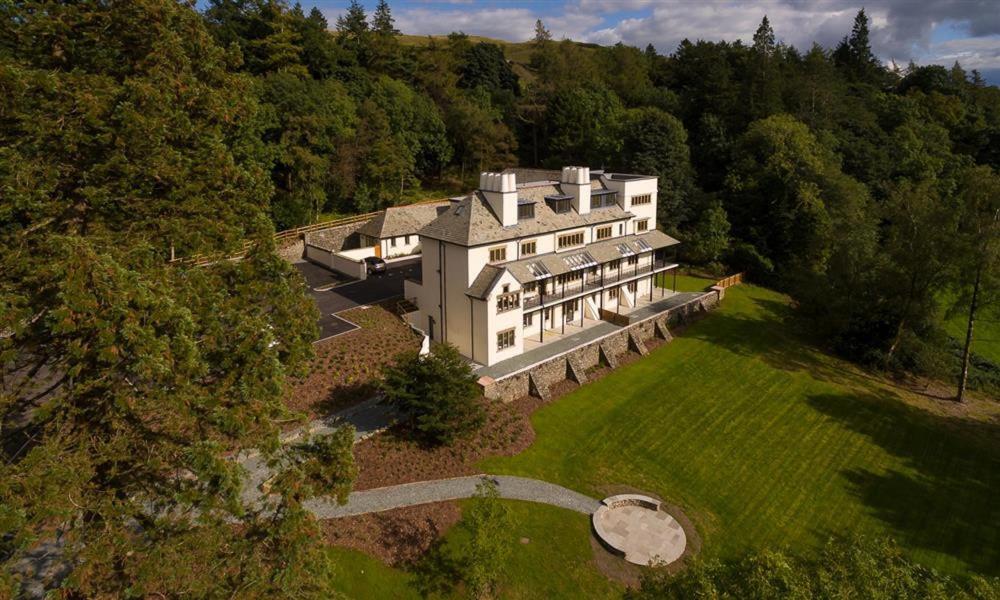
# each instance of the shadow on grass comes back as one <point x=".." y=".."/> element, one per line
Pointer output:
<point x="947" y="501"/>
<point x="437" y="574"/>
<point x="775" y="334"/>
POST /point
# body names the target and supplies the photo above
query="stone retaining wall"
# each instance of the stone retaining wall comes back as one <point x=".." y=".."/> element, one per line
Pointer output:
<point x="537" y="379"/>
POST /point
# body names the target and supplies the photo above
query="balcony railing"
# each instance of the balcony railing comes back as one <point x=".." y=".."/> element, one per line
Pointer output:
<point x="608" y="277"/>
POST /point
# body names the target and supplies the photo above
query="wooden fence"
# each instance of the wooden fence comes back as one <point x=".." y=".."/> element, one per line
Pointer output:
<point x="279" y="237"/>
<point x="730" y="281"/>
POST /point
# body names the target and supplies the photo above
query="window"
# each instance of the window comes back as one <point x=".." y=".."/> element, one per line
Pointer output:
<point x="614" y="264"/>
<point x="621" y="229"/>
<point x="498" y="254"/>
<point x="642" y="225"/>
<point x="603" y="199"/>
<point x="505" y="339"/>
<point x="528" y="248"/>
<point x="633" y="260"/>
<point x="570" y="277"/>
<point x="633" y="286"/>
<point x="392" y="242"/>
<point x="571" y="239"/>
<point x="642" y="199"/>
<point x="407" y="240"/>
<point x="604" y="233"/>
<point x="559" y="204"/>
<point x="613" y="294"/>
<point x="508" y="301"/>
<point x="528" y="318"/>
<point x="529" y="287"/>
<point x="538" y="270"/>
<point x="525" y="211"/>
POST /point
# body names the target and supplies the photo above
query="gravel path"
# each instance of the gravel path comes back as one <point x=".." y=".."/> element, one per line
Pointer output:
<point x="367" y="418"/>
<point x="411" y="494"/>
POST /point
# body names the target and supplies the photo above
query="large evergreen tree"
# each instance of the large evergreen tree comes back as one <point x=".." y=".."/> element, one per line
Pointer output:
<point x="126" y="378"/>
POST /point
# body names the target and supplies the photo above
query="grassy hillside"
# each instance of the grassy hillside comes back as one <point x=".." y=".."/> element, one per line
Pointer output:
<point x="986" y="335"/>
<point x="550" y="557"/>
<point x="762" y="440"/>
<point x="766" y="442"/>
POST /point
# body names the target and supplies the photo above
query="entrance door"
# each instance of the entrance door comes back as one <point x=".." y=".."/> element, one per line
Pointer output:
<point x="570" y="309"/>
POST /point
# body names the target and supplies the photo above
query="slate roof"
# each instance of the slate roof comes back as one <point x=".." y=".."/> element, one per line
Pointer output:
<point x="485" y="281"/>
<point x="397" y="221"/>
<point x="331" y="240"/>
<point x="602" y="252"/>
<point x="471" y="222"/>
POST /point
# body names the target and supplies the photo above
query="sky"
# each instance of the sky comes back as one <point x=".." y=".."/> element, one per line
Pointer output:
<point x="925" y="31"/>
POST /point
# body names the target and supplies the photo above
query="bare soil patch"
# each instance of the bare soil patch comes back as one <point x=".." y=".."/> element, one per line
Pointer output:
<point x="396" y="537"/>
<point x="391" y="458"/>
<point x="345" y="368"/>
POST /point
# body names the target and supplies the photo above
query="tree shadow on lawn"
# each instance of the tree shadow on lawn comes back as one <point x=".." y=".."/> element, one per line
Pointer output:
<point x="438" y="572"/>
<point x="779" y="337"/>
<point x="948" y="502"/>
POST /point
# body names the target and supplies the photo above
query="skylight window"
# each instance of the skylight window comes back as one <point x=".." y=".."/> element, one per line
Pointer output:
<point x="624" y="250"/>
<point x="643" y="245"/>
<point x="538" y="270"/>
<point x="580" y="261"/>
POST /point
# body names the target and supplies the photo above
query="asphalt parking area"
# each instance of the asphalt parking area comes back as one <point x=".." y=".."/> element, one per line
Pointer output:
<point x="331" y="326"/>
<point x="374" y="289"/>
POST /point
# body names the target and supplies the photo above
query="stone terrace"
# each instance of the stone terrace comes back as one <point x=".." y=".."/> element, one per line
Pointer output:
<point x="535" y="371"/>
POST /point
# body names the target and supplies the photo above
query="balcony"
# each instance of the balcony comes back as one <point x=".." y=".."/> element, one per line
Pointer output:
<point x="605" y="278"/>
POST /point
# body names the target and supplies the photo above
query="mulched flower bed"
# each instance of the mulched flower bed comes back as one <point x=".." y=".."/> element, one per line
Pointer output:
<point x="396" y="537"/>
<point x="391" y="458"/>
<point x="346" y="367"/>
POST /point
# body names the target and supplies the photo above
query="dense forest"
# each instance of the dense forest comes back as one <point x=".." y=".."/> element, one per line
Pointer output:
<point x="130" y="131"/>
<point x="870" y="194"/>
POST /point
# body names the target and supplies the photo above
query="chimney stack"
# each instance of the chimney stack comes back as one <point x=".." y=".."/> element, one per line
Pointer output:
<point x="575" y="181"/>
<point x="500" y="191"/>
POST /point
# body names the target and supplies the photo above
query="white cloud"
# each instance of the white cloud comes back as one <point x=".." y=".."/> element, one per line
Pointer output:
<point x="900" y="29"/>
<point x="982" y="53"/>
<point x="512" y="24"/>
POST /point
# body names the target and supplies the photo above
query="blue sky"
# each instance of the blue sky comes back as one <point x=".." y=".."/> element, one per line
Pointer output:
<point x="937" y="32"/>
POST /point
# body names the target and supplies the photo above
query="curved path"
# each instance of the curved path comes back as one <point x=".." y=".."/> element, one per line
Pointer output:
<point x="424" y="492"/>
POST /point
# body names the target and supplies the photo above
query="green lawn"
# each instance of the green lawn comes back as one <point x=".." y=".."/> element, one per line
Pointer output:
<point x="684" y="283"/>
<point x="767" y="443"/>
<point x="762" y="440"/>
<point x="986" y="335"/>
<point x="555" y="563"/>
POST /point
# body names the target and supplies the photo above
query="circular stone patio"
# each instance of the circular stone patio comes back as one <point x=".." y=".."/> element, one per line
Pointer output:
<point x="635" y="527"/>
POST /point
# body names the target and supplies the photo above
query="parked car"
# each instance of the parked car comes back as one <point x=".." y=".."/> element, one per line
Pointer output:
<point x="374" y="265"/>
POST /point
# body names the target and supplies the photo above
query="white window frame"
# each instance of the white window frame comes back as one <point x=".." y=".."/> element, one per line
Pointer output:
<point x="506" y="339"/>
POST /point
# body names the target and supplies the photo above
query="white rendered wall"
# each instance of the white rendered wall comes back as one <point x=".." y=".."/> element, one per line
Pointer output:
<point x="511" y="319"/>
<point x="401" y="248"/>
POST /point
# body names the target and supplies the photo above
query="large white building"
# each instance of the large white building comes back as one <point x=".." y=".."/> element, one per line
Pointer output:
<point x="512" y="266"/>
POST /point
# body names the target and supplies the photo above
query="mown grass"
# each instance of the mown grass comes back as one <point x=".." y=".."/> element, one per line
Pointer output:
<point x="554" y="563"/>
<point x="986" y="333"/>
<point x="763" y="441"/>
<point x="766" y="442"/>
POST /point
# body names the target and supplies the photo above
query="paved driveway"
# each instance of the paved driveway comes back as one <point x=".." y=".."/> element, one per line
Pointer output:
<point x="354" y="293"/>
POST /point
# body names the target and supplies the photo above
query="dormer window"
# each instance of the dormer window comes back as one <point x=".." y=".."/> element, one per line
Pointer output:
<point x="525" y="210"/>
<point x="603" y="199"/>
<point x="559" y="204"/>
